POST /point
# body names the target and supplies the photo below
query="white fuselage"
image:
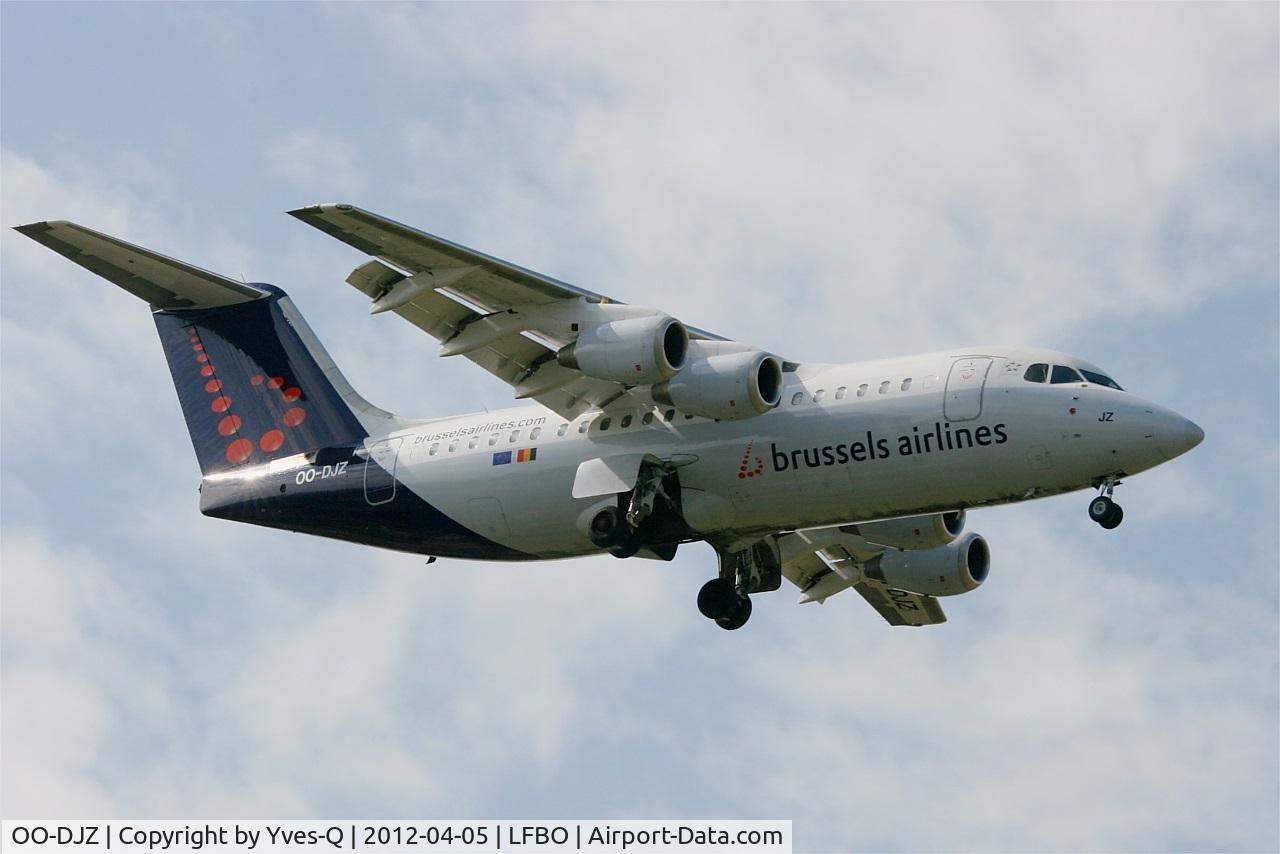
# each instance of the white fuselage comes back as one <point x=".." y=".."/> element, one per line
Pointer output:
<point x="848" y="443"/>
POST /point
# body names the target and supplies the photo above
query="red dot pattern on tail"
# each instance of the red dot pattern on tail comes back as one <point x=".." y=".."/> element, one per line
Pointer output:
<point x="271" y="441"/>
<point x="239" y="451"/>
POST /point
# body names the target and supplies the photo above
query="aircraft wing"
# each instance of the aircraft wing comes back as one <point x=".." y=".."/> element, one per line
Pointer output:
<point x="509" y="320"/>
<point x="824" y="561"/>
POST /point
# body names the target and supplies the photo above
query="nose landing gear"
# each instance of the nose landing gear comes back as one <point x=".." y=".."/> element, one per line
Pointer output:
<point x="1103" y="509"/>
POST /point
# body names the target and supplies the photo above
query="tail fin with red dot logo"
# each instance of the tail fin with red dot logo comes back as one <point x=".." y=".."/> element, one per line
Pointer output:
<point x="253" y="381"/>
<point x="251" y="388"/>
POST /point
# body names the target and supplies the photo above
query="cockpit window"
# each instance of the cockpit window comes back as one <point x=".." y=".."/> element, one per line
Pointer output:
<point x="1063" y="374"/>
<point x="1100" y="379"/>
<point x="1037" y="373"/>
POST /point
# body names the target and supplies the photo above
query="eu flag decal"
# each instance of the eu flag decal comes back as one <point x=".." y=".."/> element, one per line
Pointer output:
<point x="502" y="458"/>
<point x="526" y="455"/>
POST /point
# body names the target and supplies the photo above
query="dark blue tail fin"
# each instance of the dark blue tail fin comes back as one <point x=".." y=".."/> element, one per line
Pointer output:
<point x="251" y="388"/>
<point x="254" y="383"/>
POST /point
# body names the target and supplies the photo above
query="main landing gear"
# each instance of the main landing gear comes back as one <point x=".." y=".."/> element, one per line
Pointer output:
<point x="718" y="600"/>
<point x="756" y="568"/>
<point x="1103" y="509"/>
<point x="650" y="521"/>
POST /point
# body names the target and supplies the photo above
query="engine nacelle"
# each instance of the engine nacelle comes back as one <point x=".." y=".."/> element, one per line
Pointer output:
<point x="638" y="351"/>
<point x="948" y="570"/>
<point x="913" y="532"/>
<point x="729" y="386"/>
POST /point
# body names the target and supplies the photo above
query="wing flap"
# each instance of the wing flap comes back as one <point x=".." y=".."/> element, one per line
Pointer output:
<point x="162" y="281"/>
<point x="824" y="561"/>
<point x="900" y="608"/>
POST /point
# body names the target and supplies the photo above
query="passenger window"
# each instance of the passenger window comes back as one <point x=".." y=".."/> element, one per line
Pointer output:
<point x="562" y="429"/>
<point x="671" y="415"/>
<point x="435" y="446"/>
<point x="906" y="384"/>
<point x="647" y="418"/>
<point x="1063" y="374"/>
<point x="862" y="390"/>
<point x="884" y="386"/>
<point x="535" y="433"/>
<point x="493" y="440"/>
<point x="841" y="392"/>
<point x="604" y="423"/>
<point x="625" y="423"/>
<point x="515" y="434"/>
<point x="688" y="417"/>
<point x="819" y="395"/>
<point x="453" y="446"/>
<point x="796" y="398"/>
<point x="582" y="428"/>
<point x="1037" y="373"/>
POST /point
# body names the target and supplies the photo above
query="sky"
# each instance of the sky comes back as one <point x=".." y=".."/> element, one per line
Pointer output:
<point x="829" y="182"/>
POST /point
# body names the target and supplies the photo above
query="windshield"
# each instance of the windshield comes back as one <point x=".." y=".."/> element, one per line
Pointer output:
<point x="1100" y="379"/>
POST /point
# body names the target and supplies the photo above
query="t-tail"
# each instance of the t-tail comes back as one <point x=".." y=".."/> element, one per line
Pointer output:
<point x="281" y="437"/>
<point x="254" y="383"/>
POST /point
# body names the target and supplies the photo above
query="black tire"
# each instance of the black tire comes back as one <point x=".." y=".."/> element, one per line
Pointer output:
<point x="1114" y="518"/>
<point x="626" y="548"/>
<point x="716" y="598"/>
<point x="737" y="618"/>
<point x="1100" y="509"/>
<point x="608" y="528"/>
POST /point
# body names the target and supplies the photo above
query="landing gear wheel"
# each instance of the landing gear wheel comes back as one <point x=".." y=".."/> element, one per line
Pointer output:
<point x="628" y="547"/>
<point x="716" y="599"/>
<point x="1105" y="512"/>
<point x="1101" y="508"/>
<point x="736" y="618"/>
<point x="608" y="528"/>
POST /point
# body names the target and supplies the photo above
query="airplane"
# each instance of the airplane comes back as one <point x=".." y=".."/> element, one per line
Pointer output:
<point x="643" y="434"/>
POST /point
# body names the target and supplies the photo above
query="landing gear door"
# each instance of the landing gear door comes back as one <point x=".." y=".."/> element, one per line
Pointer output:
<point x="964" y="388"/>
<point x="380" y="471"/>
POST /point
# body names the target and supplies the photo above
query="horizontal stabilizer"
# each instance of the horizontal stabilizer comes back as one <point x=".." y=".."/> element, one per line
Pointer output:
<point x="163" y="282"/>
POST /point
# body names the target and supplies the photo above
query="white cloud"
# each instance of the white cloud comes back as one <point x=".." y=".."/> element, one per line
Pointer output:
<point x="980" y="172"/>
<point x="316" y="162"/>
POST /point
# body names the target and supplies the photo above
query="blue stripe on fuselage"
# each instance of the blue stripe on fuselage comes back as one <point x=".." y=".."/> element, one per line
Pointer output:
<point x="332" y="503"/>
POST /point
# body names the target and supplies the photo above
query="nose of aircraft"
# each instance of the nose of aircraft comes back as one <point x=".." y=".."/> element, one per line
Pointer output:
<point x="1176" y="435"/>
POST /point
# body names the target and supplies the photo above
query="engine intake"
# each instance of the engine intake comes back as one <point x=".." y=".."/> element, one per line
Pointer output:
<point x="947" y="570"/>
<point x="729" y="386"/>
<point x="637" y="351"/>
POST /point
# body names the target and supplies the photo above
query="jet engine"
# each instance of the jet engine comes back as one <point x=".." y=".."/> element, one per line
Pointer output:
<point x="637" y="351"/>
<point x="947" y="570"/>
<point x="913" y="532"/>
<point x="727" y="386"/>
